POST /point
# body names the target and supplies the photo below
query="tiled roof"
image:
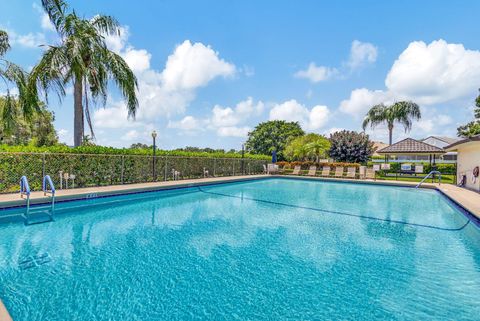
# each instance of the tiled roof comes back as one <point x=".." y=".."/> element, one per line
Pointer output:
<point x="463" y="141"/>
<point x="410" y="145"/>
<point x="448" y="140"/>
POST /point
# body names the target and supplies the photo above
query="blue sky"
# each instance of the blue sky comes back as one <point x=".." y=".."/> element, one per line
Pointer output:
<point x="209" y="71"/>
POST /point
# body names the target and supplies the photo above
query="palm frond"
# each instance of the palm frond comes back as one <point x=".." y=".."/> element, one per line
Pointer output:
<point x="9" y="113"/>
<point x="375" y="116"/>
<point x="49" y="73"/>
<point x="106" y="25"/>
<point x="4" y="44"/>
<point x="55" y="10"/>
<point x="124" y="79"/>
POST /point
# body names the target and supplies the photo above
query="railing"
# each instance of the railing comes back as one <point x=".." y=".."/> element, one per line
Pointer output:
<point x="428" y="175"/>
<point x="25" y="191"/>
<point x="47" y="180"/>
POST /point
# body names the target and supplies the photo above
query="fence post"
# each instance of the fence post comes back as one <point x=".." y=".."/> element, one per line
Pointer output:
<point x="233" y="168"/>
<point x="123" y="168"/>
<point x="165" y="172"/>
<point x="43" y="164"/>
<point x="214" y="166"/>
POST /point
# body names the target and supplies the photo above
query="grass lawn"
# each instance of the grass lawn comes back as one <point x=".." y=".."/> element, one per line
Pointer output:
<point x="445" y="179"/>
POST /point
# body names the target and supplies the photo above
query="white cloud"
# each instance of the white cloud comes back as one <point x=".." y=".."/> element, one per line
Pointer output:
<point x="361" y="53"/>
<point x="227" y="116"/>
<point x="361" y="100"/>
<point x="192" y="66"/>
<point x="292" y="110"/>
<point x="137" y="60"/>
<point x="45" y="22"/>
<point x="233" y="131"/>
<point x="130" y="135"/>
<point x="316" y="73"/>
<point x="65" y="136"/>
<point x="116" y="116"/>
<point x="188" y="123"/>
<point x="225" y="121"/>
<point x="434" y="73"/>
<point x="168" y="92"/>
<point x="426" y="74"/>
<point x="29" y="40"/>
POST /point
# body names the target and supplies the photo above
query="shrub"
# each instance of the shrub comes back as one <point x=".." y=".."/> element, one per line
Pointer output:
<point x="306" y="165"/>
<point x="350" y="146"/>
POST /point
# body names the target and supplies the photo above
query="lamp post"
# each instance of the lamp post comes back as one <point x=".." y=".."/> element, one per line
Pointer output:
<point x="154" y="136"/>
<point x="243" y="161"/>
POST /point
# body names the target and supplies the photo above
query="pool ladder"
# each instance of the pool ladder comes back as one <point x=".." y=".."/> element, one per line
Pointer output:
<point x="428" y="175"/>
<point x="40" y="214"/>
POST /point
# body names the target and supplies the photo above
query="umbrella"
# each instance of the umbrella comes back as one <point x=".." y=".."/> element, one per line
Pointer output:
<point x="274" y="157"/>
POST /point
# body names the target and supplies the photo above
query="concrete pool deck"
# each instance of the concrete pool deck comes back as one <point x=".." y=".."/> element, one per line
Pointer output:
<point x="4" y="316"/>
<point x="467" y="199"/>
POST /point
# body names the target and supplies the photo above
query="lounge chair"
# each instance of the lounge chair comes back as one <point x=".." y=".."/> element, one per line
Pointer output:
<point x="265" y="169"/>
<point x="312" y="171"/>
<point x="339" y="171"/>
<point x="326" y="171"/>
<point x="351" y="172"/>
<point x="370" y="173"/>
<point x="296" y="170"/>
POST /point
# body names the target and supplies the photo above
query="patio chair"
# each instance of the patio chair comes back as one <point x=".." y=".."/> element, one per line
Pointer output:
<point x="326" y="171"/>
<point x="370" y="173"/>
<point x="351" y="172"/>
<point x="339" y="171"/>
<point x="296" y="170"/>
<point x="265" y="169"/>
<point x="312" y="171"/>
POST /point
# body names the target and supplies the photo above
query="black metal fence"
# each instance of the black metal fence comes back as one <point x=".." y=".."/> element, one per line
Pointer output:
<point x="83" y="170"/>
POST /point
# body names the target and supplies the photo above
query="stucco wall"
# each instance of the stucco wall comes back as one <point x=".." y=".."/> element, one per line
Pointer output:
<point x="468" y="158"/>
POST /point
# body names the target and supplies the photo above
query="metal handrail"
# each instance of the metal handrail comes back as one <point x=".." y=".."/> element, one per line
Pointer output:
<point x="48" y="180"/>
<point x="428" y="175"/>
<point x="25" y="190"/>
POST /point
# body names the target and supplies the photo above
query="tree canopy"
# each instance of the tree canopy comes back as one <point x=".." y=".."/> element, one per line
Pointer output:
<point x="351" y="147"/>
<point x="473" y="127"/>
<point x="36" y="130"/>
<point x="403" y="112"/>
<point x="309" y="147"/>
<point x="83" y="59"/>
<point x="272" y="135"/>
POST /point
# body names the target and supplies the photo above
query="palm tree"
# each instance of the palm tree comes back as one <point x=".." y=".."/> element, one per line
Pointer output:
<point x="403" y="112"/>
<point x="12" y="74"/>
<point x="82" y="58"/>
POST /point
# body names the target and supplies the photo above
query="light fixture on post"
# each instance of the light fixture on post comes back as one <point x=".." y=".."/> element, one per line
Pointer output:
<point x="154" y="136"/>
<point x="243" y="160"/>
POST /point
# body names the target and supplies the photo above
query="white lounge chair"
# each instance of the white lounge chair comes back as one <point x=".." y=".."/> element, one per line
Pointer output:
<point x="296" y="170"/>
<point x="339" y="171"/>
<point x="370" y="173"/>
<point x="312" y="171"/>
<point x="351" y="172"/>
<point x="326" y="171"/>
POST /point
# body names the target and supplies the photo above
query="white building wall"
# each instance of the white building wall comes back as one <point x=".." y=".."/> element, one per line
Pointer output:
<point x="468" y="159"/>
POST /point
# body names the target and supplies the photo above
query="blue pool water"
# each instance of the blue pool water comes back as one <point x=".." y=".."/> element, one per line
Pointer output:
<point x="267" y="249"/>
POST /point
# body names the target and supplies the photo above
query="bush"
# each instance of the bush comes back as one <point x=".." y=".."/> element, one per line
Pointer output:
<point x="306" y="165"/>
<point x="123" y="151"/>
<point x="350" y="146"/>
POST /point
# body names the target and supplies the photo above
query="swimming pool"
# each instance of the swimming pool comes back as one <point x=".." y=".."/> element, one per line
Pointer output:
<point x="264" y="249"/>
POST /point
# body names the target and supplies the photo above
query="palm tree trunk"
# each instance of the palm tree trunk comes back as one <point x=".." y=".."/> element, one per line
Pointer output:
<point x="390" y="134"/>
<point x="78" y="113"/>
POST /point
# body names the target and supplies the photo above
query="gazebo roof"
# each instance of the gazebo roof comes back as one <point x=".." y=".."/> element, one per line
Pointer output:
<point x="411" y="146"/>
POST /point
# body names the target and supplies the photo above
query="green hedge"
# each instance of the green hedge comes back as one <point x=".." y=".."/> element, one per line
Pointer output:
<point x="427" y="168"/>
<point x="103" y="169"/>
<point x="123" y="151"/>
